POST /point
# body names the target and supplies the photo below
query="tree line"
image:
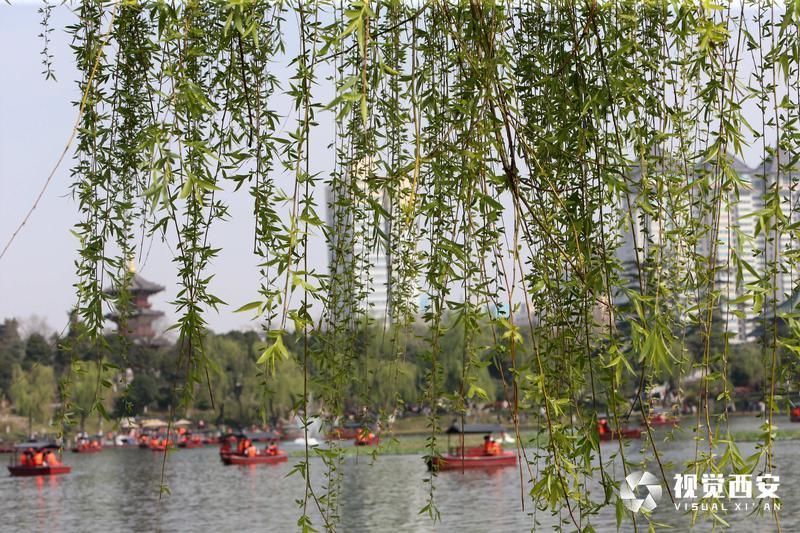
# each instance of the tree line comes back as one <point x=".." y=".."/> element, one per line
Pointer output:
<point x="36" y="369"/>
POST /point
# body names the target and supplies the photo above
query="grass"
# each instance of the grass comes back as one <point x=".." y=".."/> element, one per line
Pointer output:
<point x="416" y="444"/>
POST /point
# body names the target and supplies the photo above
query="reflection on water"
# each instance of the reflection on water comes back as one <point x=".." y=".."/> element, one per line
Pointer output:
<point x="117" y="490"/>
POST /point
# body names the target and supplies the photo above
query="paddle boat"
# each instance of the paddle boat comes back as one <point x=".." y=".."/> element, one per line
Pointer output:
<point x="365" y="437"/>
<point x="245" y="452"/>
<point x="606" y="433"/>
<point x="794" y="414"/>
<point x="189" y="440"/>
<point x="160" y="444"/>
<point x="86" y="445"/>
<point x="347" y="431"/>
<point x="37" y="459"/>
<point x="209" y="437"/>
<point x="490" y="455"/>
<point x="144" y="440"/>
<point x="662" y="418"/>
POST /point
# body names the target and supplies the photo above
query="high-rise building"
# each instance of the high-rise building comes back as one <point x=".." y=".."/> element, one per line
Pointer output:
<point x="359" y="252"/>
<point x="741" y="238"/>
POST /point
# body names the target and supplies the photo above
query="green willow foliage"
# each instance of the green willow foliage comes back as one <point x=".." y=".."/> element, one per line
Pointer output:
<point x="503" y="152"/>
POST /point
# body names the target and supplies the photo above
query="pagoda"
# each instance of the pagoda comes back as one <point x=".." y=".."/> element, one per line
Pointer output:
<point x="138" y="325"/>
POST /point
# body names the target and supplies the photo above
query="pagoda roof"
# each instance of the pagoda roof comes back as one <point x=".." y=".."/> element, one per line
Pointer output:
<point x="136" y="312"/>
<point x="139" y="284"/>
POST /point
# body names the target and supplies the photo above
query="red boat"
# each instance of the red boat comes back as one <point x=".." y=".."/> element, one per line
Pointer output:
<point x="366" y="438"/>
<point x="87" y="446"/>
<point x="490" y="455"/>
<point x="210" y="438"/>
<point x="259" y="459"/>
<point x="345" y="432"/>
<point x="794" y="414"/>
<point x="662" y="419"/>
<point x="238" y="449"/>
<point x="31" y="459"/>
<point x="473" y="460"/>
<point x="190" y="441"/>
<point x="86" y="449"/>
<point x="606" y="433"/>
<point x="161" y="444"/>
<point x="24" y="471"/>
<point x="627" y="433"/>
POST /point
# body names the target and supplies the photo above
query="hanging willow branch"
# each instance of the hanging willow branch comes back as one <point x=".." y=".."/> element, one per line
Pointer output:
<point x="558" y="182"/>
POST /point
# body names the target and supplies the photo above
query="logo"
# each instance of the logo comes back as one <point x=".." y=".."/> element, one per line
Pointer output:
<point x="650" y="490"/>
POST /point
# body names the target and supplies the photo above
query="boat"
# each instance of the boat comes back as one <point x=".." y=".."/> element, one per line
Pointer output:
<point x="347" y="431"/>
<point x="209" y="437"/>
<point x="87" y="446"/>
<point x="366" y="438"/>
<point x="259" y="459"/>
<point x="627" y="433"/>
<point x="794" y="414"/>
<point x="606" y="433"/>
<point x="161" y="444"/>
<point x="19" y="467"/>
<point x="191" y="441"/>
<point x="244" y="452"/>
<point x="473" y="458"/>
<point x="162" y="447"/>
<point x="662" y="418"/>
<point x="490" y="455"/>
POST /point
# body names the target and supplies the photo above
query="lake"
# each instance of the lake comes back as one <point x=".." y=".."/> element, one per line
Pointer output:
<point x="117" y="490"/>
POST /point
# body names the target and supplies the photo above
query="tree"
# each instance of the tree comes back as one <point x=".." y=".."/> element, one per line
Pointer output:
<point x="38" y="351"/>
<point x="32" y="393"/>
<point x="87" y="389"/>
<point x="12" y="351"/>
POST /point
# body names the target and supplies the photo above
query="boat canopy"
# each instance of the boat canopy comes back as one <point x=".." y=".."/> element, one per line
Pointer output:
<point x="475" y="428"/>
<point x="36" y="445"/>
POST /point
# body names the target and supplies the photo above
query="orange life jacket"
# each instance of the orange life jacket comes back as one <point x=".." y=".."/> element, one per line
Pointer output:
<point x="52" y="460"/>
<point x="38" y="459"/>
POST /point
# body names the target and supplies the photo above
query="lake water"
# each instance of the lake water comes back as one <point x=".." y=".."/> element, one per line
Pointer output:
<point x="117" y="490"/>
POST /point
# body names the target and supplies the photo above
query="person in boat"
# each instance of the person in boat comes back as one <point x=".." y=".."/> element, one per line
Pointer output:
<point x="272" y="449"/>
<point x="490" y="446"/>
<point x="251" y="450"/>
<point x="51" y="459"/>
<point x="602" y="427"/>
<point x="26" y="459"/>
<point x="364" y="436"/>
<point x="38" y="458"/>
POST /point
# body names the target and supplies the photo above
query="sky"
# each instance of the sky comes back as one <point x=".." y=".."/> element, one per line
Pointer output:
<point x="36" y="117"/>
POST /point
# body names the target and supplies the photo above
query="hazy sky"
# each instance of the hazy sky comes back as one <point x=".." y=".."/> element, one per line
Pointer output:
<point x="36" y="117"/>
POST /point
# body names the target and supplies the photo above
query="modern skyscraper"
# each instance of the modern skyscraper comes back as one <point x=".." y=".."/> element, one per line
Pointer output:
<point x="359" y="252"/>
<point x="743" y="252"/>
